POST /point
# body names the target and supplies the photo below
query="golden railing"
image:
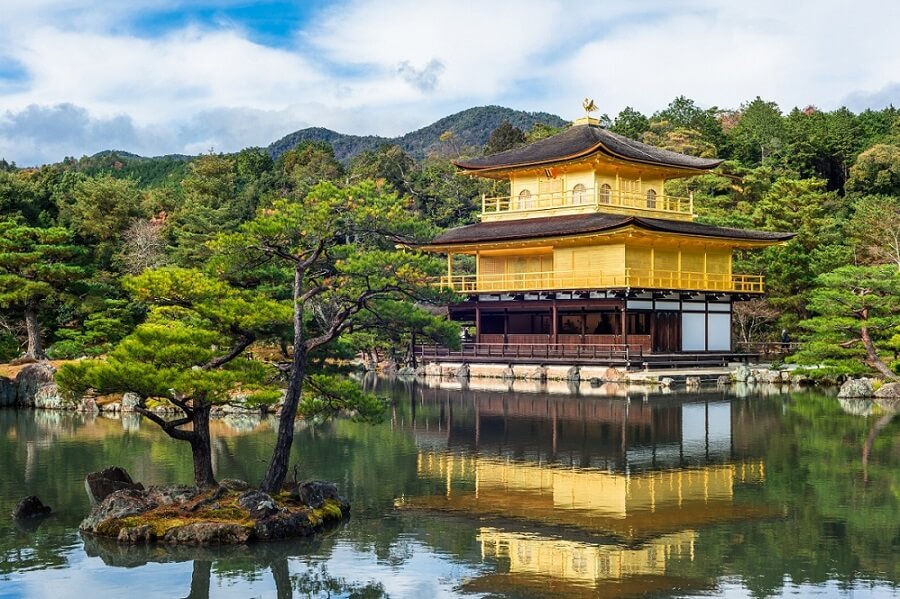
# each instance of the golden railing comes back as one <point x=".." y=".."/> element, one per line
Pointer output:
<point x="632" y="278"/>
<point x="588" y="198"/>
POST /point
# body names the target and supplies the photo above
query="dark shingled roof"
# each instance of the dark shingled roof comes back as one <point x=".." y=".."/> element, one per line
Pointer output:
<point x="558" y="226"/>
<point x="582" y="140"/>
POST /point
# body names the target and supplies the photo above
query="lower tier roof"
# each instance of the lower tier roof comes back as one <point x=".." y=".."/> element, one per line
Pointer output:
<point x="579" y="224"/>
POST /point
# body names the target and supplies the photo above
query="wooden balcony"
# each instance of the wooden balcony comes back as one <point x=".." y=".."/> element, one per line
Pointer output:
<point x="631" y="279"/>
<point x="587" y="200"/>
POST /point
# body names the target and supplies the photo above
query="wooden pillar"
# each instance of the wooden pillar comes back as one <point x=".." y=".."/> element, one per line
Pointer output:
<point x="477" y="323"/>
<point x="625" y="322"/>
<point x="554" y="323"/>
<point x="505" y="326"/>
<point x="583" y="324"/>
<point x="450" y="270"/>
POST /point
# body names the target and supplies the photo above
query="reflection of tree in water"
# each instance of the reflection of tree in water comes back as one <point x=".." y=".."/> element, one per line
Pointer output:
<point x="314" y="582"/>
<point x="246" y="563"/>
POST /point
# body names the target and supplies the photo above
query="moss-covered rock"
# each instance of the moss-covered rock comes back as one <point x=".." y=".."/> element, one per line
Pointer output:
<point x="187" y="516"/>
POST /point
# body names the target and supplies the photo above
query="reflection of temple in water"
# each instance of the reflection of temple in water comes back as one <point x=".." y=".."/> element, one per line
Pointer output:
<point x="614" y="433"/>
<point x="583" y="493"/>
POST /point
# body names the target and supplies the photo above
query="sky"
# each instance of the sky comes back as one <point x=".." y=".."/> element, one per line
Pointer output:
<point x="188" y="76"/>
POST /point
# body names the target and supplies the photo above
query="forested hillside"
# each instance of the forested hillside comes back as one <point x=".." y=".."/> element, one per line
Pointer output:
<point x="469" y="129"/>
<point x="831" y="176"/>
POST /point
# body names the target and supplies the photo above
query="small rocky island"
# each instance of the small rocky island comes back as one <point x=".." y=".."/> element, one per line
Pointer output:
<point x="231" y="514"/>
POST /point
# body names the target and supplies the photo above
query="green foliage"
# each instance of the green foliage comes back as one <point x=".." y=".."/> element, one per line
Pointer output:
<point x="630" y="123"/>
<point x="683" y="113"/>
<point x="184" y="349"/>
<point x="678" y="139"/>
<point x="505" y="137"/>
<point x="388" y="163"/>
<point x="100" y="208"/>
<point x="209" y="206"/>
<point x="759" y="132"/>
<point x="875" y="226"/>
<point x="876" y="171"/>
<point x="99" y="331"/>
<point x="308" y="164"/>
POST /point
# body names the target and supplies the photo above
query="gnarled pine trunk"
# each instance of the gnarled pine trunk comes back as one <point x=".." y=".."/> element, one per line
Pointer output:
<point x="201" y="448"/>
<point x="35" y="349"/>
<point x="281" y="455"/>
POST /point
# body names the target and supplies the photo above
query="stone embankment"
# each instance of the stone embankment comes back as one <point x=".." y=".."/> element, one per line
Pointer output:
<point x="230" y="514"/>
<point x="691" y="378"/>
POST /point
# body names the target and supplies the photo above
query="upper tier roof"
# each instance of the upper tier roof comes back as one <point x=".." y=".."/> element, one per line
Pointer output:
<point x="560" y="226"/>
<point x="579" y="141"/>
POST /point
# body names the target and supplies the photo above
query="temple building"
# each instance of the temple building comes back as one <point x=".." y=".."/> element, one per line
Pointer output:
<point x="588" y="258"/>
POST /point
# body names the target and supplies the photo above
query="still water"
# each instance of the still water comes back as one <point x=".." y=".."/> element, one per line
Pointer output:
<point x="500" y="492"/>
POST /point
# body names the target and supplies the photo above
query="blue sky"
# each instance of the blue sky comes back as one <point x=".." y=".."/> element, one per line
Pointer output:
<point x="181" y="76"/>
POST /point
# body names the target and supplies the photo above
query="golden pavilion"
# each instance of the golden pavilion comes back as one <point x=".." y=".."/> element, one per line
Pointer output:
<point x="589" y="259"/>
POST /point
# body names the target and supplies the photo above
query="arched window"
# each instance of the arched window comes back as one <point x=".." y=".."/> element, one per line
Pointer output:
<point x="525" y="200"/>
<point x="651" y="198"/>
<point x="605" y="195"/>
<point x="579" y="194"/>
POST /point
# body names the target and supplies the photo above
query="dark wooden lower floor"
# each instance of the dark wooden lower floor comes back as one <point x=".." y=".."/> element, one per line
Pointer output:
<point x="631" y="355"/>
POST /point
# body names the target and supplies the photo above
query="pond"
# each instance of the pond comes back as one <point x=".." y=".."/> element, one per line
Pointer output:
<point x="499" y="491"/>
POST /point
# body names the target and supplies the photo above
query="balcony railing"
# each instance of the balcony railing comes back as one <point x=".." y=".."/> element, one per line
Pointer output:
<point x="590" y="199"/>
<point x="632" y="278"/>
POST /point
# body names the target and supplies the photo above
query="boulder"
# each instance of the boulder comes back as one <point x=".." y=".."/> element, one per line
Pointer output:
<point x="751" y="380"/>
<point x="120" y="504"/>
<point x="856" y="388"/>
<point x="723" y="380"/>
<point x="8" y="392"/>
<point x="666" y="381"/>
<point x="130" y="401"/>
<point x="258" y="503"/>
<point x="314" y="493"/>
<point x="888" y="391"/>
<point x="573" y="374"/>
<point x="538" y="374"/>
<point x="462" y="372"/>
<point x="233" y="484"/>
<point x="692" y="381"/>
<point x="612" y="375"/>
<point x="283" y="526"/>
<point x="741" y="373"/>
<point x="30" y="507"/>
<point x="508" y="374"/>
<point x="208" y="533"/>
<point x="172" y="494"/>
<point x="433" y="369"/>
<point x="406" y="371"/>
<point x="786" y="376"/>
<point x="99" y="485"/>
<point x="595" y="382"/>
<point x="36" y="386"/>
<point x="88" y="405"/>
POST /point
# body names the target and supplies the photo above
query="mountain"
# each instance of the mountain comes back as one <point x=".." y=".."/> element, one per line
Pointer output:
<point x="470" y="127"/>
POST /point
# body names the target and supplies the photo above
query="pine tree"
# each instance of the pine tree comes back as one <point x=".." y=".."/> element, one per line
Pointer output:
<point x="190" y="352"/>
<point x="343" y="253"/>
<point x="857" y="313"/>
<point x="36" y="266"/>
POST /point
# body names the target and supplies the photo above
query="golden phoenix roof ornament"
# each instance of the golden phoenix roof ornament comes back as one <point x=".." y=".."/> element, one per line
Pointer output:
<point x="589" y="107"/>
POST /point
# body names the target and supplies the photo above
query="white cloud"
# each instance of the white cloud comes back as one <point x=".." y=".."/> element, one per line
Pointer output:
<point x="365" y="66"/>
